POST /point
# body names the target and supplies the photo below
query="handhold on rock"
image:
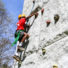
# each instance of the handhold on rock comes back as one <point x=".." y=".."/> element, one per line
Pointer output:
<point x="42" y="11"/>
<point x="37" y="9"/>
<point x="56" y="18"/>
<point x="43" y="51"/>
<point x="48" y="22"/>
<point x="55" y="66"/>
<point x="33" y="1"/>
<point x="36" y="15"/>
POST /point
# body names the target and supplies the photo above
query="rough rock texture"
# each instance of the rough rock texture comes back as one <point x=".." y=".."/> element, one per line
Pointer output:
<point x="53" y="38"/>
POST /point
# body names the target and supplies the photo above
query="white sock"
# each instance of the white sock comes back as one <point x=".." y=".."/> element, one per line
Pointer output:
<point x="20" y="44"/>
<point x="16" y="48"/>
<point x="16" y="54"/>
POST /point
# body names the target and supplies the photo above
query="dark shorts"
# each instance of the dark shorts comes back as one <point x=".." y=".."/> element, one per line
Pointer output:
<point x="21" y="35"/>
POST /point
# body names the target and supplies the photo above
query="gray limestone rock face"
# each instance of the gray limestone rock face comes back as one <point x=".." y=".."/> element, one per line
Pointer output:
<point x="53" y="38"/>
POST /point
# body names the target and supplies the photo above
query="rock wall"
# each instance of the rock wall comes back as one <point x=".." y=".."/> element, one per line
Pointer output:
<point x="53" y="38"/>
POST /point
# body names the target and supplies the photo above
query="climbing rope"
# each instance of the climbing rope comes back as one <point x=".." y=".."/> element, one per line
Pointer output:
<point x="32" y="7"/>
<point x="31" y="10"/>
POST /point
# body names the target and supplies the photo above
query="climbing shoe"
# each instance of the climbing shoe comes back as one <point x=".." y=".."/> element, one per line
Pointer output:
<point x="16" y="58"/>
<point x="20" y="48"/>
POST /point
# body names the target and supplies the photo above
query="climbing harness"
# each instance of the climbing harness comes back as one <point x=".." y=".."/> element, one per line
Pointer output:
<point x="17" y="38"/>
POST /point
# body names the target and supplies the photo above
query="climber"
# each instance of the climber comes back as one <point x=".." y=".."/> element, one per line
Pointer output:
<point x="56" y="18"/>
<point x="20" y="33"/>
<point x="48" y="22"/>
<point x="42" y="11"/>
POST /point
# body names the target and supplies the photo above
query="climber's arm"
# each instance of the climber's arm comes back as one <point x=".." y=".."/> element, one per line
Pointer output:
<point x="31" y="15"/>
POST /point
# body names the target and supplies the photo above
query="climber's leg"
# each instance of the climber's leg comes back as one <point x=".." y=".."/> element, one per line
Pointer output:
<point x="22" y="38"/>
<point x="16" y="58"/>
<point x="25" y="36"/>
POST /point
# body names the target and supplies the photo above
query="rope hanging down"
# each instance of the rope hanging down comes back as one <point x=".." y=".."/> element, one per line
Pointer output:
<point x="31" y="9"/>
<point x="32" y="6"/>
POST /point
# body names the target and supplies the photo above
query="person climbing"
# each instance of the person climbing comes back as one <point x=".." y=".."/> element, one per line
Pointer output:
<point x="48" y="22"/>
<point x="56" y="18"/>
<point x="20" y="33"/>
